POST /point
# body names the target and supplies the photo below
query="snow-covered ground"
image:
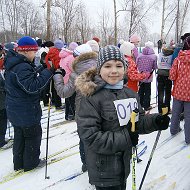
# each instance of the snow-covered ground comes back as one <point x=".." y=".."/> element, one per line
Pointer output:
<point x="176" y="168"/>
<point x="62" y="136"/>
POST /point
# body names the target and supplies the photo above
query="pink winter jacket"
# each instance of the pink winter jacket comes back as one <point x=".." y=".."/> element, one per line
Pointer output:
<point x="180" y="74"/>
<point x="66" y="62"/>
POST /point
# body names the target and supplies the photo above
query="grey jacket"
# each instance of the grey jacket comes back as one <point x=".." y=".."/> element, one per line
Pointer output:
<point x="80" y="64"/>
<point x="108" y="145"/>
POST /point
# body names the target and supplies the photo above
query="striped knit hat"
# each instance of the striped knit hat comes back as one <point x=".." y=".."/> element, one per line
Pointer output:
<point x="110" y="52"/>
<point x="27" y="43"/>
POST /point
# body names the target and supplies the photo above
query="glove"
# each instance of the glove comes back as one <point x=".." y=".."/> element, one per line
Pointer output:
<point x="133" y="135"/>
<point x="162" y="122"/>
<point x="60" y="71"/>
<point x="147" y="75"/>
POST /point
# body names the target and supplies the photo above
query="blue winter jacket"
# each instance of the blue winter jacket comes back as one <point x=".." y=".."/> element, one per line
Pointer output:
<point x="23" y="84"/>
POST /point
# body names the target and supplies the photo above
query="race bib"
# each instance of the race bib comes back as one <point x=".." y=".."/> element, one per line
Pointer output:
<point x="124" y="109"/>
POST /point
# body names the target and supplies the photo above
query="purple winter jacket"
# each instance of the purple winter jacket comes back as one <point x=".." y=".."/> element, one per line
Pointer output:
<point x="147" y="62"/>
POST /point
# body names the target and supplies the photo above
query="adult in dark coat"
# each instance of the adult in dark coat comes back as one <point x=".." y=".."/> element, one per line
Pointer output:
<point x="23" y="86"/>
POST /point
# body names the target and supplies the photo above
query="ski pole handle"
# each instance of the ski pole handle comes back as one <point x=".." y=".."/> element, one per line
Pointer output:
<point x="133" y="117"/>
<point x="164" y="110"/>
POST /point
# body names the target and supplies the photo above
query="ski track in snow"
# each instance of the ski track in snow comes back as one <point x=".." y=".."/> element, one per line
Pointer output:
<point x="176" y="168"/>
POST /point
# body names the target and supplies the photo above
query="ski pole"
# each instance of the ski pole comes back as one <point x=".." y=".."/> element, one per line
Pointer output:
<point x="133" y="116"/>
<point x="47" y="137"/>
<point x="164" y="111"/>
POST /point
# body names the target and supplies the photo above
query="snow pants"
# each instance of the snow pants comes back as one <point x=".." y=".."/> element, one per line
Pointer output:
<point x="70" y="107"/>
<point x="3" y="126"/>
<point x="164" y="92"/>
<point x="26" y="147"/>
<point x="145" y="94"/>
<point x="175" y="119"/>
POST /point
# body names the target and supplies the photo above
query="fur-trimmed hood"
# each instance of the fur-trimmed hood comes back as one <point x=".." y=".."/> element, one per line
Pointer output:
<point x="84" y="62"/>
<point x="89" y="82"/>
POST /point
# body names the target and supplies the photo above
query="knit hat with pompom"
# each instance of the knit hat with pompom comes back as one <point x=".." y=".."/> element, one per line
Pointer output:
<point x="27" y="43"/>
<point x="126" y="48"/>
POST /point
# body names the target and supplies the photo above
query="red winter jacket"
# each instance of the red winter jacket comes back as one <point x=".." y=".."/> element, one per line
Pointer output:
<point x="133" y="74"/>
<point x="1" y="63"/>
<point x="180" y="74"/>
<point x="53" y="55"/>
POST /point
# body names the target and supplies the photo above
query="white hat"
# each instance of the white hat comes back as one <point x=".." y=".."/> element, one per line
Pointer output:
<point x="94" y="45"/>
<point x="149" y="44"/>
<point x="84" y="48"/>
<point x="126" y="48"/>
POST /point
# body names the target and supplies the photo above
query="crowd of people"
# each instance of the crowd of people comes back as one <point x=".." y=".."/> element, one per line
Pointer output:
<point x="95" y="82"/>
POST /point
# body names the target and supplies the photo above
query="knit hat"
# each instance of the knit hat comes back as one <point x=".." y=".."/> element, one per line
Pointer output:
<point x="39" y="42"/>
<point x="84" y="48"/>
<point x="94" y="45"/>
<point x="185" y="36"/>
<point x="135" y="39"/>
<point x="149" y="44"/>
<point x="48" y="44"/>
<point x="72" y="46"/>
<point x="126" y="48"/>
<point x="110" y="52"/>
<point x="96" y="39"/>
<point x="58" y="44"/>
<point x="8" y="46"/>
<point x="27" y="43"/>
<point x="186" y="43"/>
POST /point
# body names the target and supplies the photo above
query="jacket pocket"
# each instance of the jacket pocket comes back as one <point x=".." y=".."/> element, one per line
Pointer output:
<point x="110" y="166"/>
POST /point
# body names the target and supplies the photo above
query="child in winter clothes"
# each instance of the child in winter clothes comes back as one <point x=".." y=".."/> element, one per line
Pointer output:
<point x="133" y="76"/>
<point x="67" y="58"/>
<point x="23" y="84"/>
<point x="135" y="39"/>
<point x="104" y="127"/>
<point x="180" y="74"/>
<point x="53" y="57"/>
<point x="163" y="81"/>
<point x="146" y="62"/>
<point x="85" y="59"/>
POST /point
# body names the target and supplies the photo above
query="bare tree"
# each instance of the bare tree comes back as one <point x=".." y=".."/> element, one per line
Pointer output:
<point x="68" y="12"/>
<point x="104" y="26"/>
<point x="31" y="19"/>
<point x="13" y="8"/>
<point x="82" y="22"/>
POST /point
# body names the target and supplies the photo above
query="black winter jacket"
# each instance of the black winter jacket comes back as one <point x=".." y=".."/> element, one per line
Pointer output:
<point x="23" y="86"/>
<point x="108" y="145"/>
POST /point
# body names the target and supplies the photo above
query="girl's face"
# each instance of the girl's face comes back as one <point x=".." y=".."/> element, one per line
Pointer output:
<point x="112" y="71"/>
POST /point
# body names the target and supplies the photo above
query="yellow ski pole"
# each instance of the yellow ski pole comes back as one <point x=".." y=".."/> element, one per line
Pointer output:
<point x="133" y="116"/>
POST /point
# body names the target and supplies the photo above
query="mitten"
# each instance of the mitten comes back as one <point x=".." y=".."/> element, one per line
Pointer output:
<point x="133" y="135"/>
<point x="162" y="122"/>
<point x="60" y="71"/>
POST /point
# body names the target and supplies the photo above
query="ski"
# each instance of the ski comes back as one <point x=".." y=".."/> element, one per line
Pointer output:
<point x="154" y="182"/>
<point x="168" y="139"/>
<point x="142" y="151"/>
<point x="44" y="116"/>
<point x="65" y="179"/>
<point x="172" y="186"/>
<point x="140" y="144"/>
<point x="174" y="152"/>
<point x="54" y="135"/>
<point x="8" y="145"/>
<point x="14" y="175"/>
<point x="61" y="123"/>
